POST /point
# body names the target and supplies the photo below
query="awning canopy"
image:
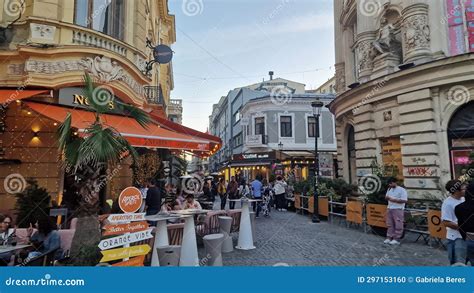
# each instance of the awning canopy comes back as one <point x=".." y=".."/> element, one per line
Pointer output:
<point x="185" y="130"/>
<point x="153" y="136"/>
<point x="11" y="95"/>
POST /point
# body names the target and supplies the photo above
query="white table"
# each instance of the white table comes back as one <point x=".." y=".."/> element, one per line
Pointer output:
<point x="189" y="252"/>
<point x="245" y="241"/>
<point x="161" y="234"/>
<point x="11" y="248"/>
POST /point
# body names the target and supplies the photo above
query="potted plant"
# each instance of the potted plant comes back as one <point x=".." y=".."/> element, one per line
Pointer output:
<point x="88" y="156"/>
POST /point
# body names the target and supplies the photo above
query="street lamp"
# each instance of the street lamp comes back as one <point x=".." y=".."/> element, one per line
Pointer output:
<point x="280" y="148"/>
<point x="317" y="105"/>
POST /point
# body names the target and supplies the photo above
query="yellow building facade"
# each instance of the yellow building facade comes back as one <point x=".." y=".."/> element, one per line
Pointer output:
<point x="49" y="45"/>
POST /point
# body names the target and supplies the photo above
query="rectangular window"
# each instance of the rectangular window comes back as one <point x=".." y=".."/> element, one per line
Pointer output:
<point x="236" y="117"/>
<point x="285" y="126"/>
<point x="260" y="126"/>
<point x="105" y="16"/>
<point x="312" y="131"/>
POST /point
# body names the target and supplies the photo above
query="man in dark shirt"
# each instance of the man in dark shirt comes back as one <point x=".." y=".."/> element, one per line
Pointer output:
<point x="153" y="199"/>
<point x="465" y="214"/>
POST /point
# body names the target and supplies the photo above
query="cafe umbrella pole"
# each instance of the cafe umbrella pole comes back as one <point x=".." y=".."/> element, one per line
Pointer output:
<point x="317" y="105"/>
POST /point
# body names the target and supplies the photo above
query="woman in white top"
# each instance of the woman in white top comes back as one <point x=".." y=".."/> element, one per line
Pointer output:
<point x="280" y="191"/>
<point x="244" y="189"/>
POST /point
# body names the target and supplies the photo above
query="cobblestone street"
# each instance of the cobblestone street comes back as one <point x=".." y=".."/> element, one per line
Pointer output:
<point x="291" y="239"/>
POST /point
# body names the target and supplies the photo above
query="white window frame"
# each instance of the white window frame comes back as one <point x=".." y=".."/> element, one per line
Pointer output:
<point x="289" y="138"/>
<point x="253" y="123"/>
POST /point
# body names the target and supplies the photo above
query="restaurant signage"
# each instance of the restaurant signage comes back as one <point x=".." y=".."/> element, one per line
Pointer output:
<point x="354" y="212"/>
<point x="435" y="225"/>
<point x="118" y="218"/>
<point x="119" y="229"/>
<point x="126" y="252"/>
<point x="134" y="262"/>
<point x="74" y="96"/>
<point x="130" y="200"/>
<point x="376" y="215"/>
<point x="125" y="239"/>
<point x="253" y="156"/>
<point x="253" y="140"/>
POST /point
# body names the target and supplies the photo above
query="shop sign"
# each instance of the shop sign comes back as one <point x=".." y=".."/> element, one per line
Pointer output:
<point x="134" y="262"/>
<point x="354" y="212"/>
<point x="117" y="218"/>
<point x="126" y="252"/>
<point x="125" y="239"/>
<point x="74" y="96"/>
<point x="253" y="140"/>
<point x="130" y="200"/>
<point x="435" y="225"/>
<point x="376" y="215"/>
<point x="252" y="156"/>
<point x="119" y="229"/>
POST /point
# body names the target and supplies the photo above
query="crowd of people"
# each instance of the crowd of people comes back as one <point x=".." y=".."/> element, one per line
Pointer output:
<point x="42" y="237"/>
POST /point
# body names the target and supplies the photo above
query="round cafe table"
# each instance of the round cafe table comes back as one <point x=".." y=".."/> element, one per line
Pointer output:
<point x="245" y="241"/>
<point x="161" y="234"/>
<point x="189" y="252"/>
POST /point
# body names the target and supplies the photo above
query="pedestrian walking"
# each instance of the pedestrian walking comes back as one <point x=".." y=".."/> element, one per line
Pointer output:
<point x="456" y="244"/>
<point x="280" y="193"/>
<point x="464" y="213"/>
<point x="397" y="197"/>
<point x="232" y="191"/>
<point x="257" y="187"/>
<point x="221" y="190"/>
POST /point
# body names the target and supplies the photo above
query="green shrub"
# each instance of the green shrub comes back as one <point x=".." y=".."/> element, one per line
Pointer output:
<point x="31" y="204"/>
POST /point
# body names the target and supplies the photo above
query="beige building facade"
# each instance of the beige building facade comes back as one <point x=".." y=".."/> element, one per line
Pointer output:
<point x="49" y="45"/>
<point x="404" y="83"/>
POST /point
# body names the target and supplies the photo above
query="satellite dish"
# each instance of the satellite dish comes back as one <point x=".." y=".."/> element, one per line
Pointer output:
<point x="163" y="54"/>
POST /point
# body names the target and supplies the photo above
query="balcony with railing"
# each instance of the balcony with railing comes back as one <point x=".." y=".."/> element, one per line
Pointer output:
<point x="154" y="96"/>
<point x="258" y="140"/>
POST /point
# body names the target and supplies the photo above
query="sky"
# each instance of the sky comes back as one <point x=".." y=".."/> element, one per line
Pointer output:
<point x="225" y="44"/>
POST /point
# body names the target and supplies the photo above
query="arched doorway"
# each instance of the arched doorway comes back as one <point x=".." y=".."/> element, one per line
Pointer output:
<point x="461" y="140"/>
<point x="351" y="154"/>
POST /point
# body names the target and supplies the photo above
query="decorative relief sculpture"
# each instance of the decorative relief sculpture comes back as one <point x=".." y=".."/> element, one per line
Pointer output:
<point x="340" y="78"/>
<point x="417" y="32"/>
<point x="42" y="31"/>
<point x="103" y="68"/>
<point x="386" y="40"/>
<point x="365" y="56"/>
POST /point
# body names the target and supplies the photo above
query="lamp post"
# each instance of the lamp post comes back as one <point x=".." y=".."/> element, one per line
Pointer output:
<point x="280" y="148"/>
<point x="316" y="105"/>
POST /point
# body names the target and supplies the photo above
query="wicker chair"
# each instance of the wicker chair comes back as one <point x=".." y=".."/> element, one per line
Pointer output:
<point x="235" y="214"/>
<point x="175" y="233"/>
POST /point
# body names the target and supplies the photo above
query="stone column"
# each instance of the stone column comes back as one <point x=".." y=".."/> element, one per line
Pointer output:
<point x="364" y="55"/>
<point x="416" y="34"/>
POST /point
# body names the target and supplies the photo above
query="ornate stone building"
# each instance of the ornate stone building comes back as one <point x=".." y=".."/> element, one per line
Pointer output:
<point x="404" y="83"/>
<point x="45" y="49"/>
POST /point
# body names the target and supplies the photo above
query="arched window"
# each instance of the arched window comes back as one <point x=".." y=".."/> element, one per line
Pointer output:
<point x="461" y="139"/>
<point x="106" y="16"/>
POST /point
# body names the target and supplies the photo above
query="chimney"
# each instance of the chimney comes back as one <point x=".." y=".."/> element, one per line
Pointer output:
<point x="271" y="75"/>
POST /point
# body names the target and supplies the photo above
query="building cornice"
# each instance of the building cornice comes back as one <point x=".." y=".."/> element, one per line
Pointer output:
<point x="436" y="73"/>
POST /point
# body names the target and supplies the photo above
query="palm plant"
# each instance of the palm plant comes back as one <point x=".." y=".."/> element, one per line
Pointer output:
<point x="88" y="155"/>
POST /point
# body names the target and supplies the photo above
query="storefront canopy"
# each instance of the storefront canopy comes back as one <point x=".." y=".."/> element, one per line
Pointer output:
<point x="153" y="136"/>
<point x="183" y="129"/>
<point x="11" y="95"/>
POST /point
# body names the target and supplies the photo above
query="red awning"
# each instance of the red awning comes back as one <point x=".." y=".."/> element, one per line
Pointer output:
<point x="11" y="95"/>
<point x="185" y="130"/>
<point x="153" y="137"/>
